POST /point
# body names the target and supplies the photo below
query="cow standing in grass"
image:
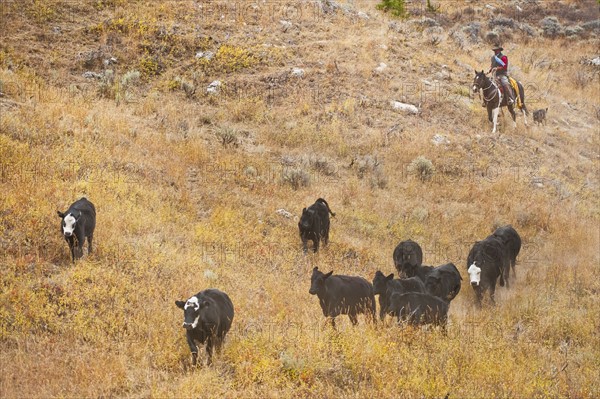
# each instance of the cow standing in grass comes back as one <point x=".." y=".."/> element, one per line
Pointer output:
<point x="512" y="244"/>
<point x="444" y="282"/>
<point x="314" y="224"/>
<point x="408" y="256"/>
<point x="207" y="318"/>
<point x="487" y="261"/>
<point x="385" y="286"/>
<point x="419" y="308"/>
<point x="343" y="295"/>
<point x="77" y="224"/>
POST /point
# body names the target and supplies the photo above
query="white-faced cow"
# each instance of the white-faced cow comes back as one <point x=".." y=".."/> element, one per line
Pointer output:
<point x="207" y="318"/>
<point x="343" y="295"/>
<point x="78" y="223"/>
<point x="512" y="243"/>
<point x="486" y="262"/>
<point x="314" y="224"/>
<point x="444" y="282"/>
<point x="408" y="256"/>
<point x="385" y="286"/>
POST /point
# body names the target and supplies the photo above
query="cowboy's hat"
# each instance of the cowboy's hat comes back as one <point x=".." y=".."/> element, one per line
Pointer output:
<point x="497" y="47"/>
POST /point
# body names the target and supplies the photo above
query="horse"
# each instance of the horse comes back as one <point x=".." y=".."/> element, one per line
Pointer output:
<point x="494" y="99"/>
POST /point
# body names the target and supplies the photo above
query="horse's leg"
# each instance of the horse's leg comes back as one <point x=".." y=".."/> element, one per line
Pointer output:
<point x="495" y="113"/>
<point x="511" y="109"/>
<point x="523" y="107"/>
<point x="489" y="110"/>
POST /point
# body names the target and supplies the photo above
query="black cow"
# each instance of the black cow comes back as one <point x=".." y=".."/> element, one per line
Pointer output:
<point x="408" y="255"/>
<point x="512" y="243"/>
<point x="314" y="224"/>
<point x="78" y="223"/>
<point x="444" y="282"/>
<point x="385" y="286"/>
<point x="418" y="308"/>
<point x="422" y="272"/>
<point x="486" y="262"/>
<point x="342" y="295"/>
<point x="207" y="318"/>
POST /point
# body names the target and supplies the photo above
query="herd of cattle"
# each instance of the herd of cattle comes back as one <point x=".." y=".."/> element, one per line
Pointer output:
<point x="421" y="295"/>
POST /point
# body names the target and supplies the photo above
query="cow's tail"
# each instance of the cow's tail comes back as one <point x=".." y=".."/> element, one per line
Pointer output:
<point x="326" y="204"/>
<point x="501" y="278"/>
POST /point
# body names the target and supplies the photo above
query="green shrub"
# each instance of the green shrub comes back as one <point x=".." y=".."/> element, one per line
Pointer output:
<point x="395" y="7"/>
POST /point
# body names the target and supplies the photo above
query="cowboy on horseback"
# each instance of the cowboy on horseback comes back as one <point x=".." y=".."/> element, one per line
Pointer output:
<point x="500" y="67"/>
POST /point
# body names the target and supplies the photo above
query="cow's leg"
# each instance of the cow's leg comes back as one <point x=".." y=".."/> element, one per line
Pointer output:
<point x="333" y="322"/>
<point x="90" y="243"/>
<point x="478" y="297"/>
<point x="513" y="263"/>
<point x="193" y="348"/>
<point x="493" y="294"/>
<point x="353" y="318"/>
<point x="524" y="116"/>
<point x="326" y="236"/>
<point x="71" y="243"/>
<point x="80" y="241"/>
<point x="304" y="243"/>
<point x="316" y="244"/>
<point x="495" y="113"/>
<point x="373" y="311"/>
<point x="209" y="348"/>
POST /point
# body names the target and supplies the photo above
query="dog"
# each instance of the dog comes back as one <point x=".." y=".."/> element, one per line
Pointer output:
<point x="539" y="116"/>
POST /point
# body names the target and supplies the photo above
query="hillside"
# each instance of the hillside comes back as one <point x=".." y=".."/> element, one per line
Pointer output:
<point x="118" y="101"/>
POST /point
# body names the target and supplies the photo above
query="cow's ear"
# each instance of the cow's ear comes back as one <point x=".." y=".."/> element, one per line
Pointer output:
<point x="475" y="71"/>
<point x="315" y="268"/>
<point x="60" y="214"/>
<point x="204" y="304"/>
<point x="390" y="277"/>
<point x="303" y="210"/>
<point x="180" y="304"/>
<point x="328" y="274"/>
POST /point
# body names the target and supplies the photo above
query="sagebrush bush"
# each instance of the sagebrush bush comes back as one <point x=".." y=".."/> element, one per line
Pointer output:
<point x="422" y="168"/>
<point x="295" y="177"/>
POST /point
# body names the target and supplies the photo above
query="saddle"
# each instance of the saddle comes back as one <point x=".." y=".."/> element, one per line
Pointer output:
<point x="515" y="87"/>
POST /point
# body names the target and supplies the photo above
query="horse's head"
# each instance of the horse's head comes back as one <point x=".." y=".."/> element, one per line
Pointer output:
<point x="480" y="81"/>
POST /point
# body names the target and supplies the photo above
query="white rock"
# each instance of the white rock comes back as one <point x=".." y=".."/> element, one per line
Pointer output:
<point x="285" y="25"/>
<point x="298" y="72"/>
<point x="110" y="61"/>
<point x="439" y="139"/>
<point x="208" y="55"/>
<point x="595" y="61"/>
<point x="92" y="75"/>
<point x="412" y="109"/>
<point x="284" y="213"/>
<point x="214" y="87"/>
<point x="362" y="15"/>
<point x="382" y="67"/>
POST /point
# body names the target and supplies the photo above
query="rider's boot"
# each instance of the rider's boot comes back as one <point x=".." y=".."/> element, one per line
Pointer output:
<point x="509" y="94"/>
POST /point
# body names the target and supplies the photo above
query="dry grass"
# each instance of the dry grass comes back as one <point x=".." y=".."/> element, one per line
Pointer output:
<point x="180" y="211"/>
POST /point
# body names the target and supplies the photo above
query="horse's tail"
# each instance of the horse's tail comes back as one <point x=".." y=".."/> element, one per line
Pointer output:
<point x="522" y="95"/>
